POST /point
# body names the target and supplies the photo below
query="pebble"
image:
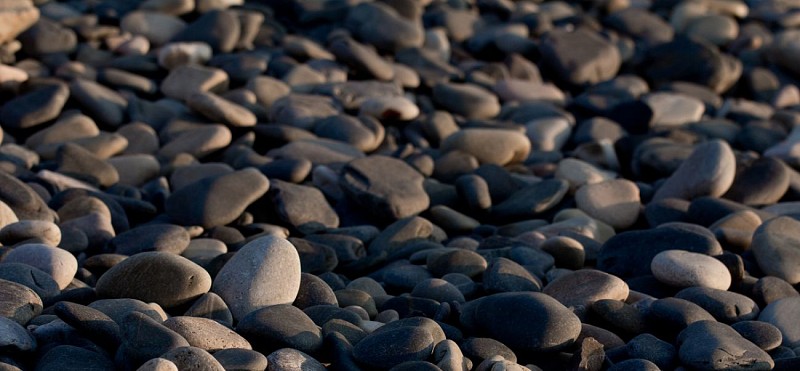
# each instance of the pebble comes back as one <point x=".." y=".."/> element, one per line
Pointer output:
<point x="586" y="286"/>
<point x="185" y="80"/>
<point x="241" y="359"/>
<point x="386" y="187"/>
<point x="779" y="313"/>
<point x="280" y="326"/>
<point x="292" y="359"/>
<point x="389" y="348"/>
<point x="14" y="337"/>
<point x="468" y="100"/>
<point x="35" y="107"/>
<point x="725" y="306"/>
<point x="615" y="202"/>
<point x="206" y="334"/>
<point x="713" y="345"/>
<point x="687" y="269"/>
<point x="212" y="201"/>
<point x="56" y="262"/>
<point x="264" y="272"/>
<point x="762" y="334"/>
<point x="709" y="171"/>
<point x="218" y="109"/>
<point x="145" y="338"/>
<point x="774" y="250"/>
<point x="37" y="280"/>
<point x="506" y="147"/>
<point x="581" y="56"/>
<point x="161" y="277"/>
<point x="192" y="358"/>
<point x="543" y="324"/>
<point x="17" y="17"/>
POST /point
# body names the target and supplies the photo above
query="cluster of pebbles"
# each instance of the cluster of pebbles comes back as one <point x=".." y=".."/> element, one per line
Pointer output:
<point x="399" y="185"/>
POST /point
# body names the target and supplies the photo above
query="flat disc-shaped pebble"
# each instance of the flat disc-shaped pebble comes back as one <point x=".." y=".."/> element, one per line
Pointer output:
<point x="586" y="286"/>
<point x="525" y="321"/>
<point x="167" y="279"/>
<point x="216" y="201"/>
<point x="686" y="269"/>
<point x="264" y="272"/>
<point x="385" y="186"/>
<point x="776" y="246"/>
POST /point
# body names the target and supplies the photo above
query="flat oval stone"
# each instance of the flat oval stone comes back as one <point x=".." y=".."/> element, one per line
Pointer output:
<point x="468" y="100"/>
<point x="540" y="322"/>
<point x="615" y="202"/>
<point x="280" y="326"/>
<point x="713" y="345"/>
<point x="219" y="109"/>
<point x="586" y="286"/>
<point x="781" y="314"/>
<point x="764" y="335"/>
<point x="386" y="349"/>
<point x="764" y="182"/>
<point x="218" y="200"/>
<point x="386" y="187"/>
<point x="35" y="107"/>
<point x="302" y="207"/>
<point x="156" y="237"/>
<point x="725" y="306"/>
<point x="206" y="334"/>
<point x="56" y="262"/>
<point x="117" y="309"/>
<point x="775" y="247"/>
<point x="264" y="272"/>
<point x="167" y="279"/>
<point x="686" y="269"/>
<point x="709" y="171"/>
<point x="241" y="359"/>
<point x="490" y="146"/>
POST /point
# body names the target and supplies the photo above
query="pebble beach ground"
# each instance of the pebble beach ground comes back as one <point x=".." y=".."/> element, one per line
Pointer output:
<point x="399" y="185"/>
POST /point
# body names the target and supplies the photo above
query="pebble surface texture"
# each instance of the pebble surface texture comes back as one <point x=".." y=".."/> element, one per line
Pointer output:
<point x="392" y="185"/>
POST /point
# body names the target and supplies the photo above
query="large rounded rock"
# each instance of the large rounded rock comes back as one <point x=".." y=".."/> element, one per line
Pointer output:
<point x="14" y="337"/>
<point x="776" y="246"/>
<point x="264" y="272"/>
<point x="18" y="303"/>
<point x="164" y="278"/>
<point x="710" y="345"/>
<point x="206" y="334"/>
<point x="783" y="314"/>
<point x="525" y="321"/>
<point x="615" y="202"/>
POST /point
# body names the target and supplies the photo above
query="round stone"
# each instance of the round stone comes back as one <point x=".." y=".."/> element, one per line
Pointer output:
<point x="164" y="278"/>
<point x="614" y="202"/>
<point x="776" y="246"/>
<point x="206" y="334"/>
<point x="264" y="272"/>
<point x="687" y="269"/>
<point x="56" y="262"/>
